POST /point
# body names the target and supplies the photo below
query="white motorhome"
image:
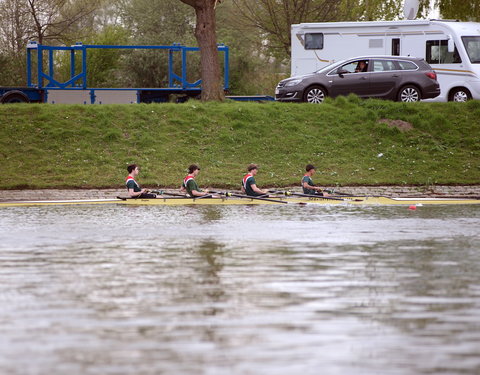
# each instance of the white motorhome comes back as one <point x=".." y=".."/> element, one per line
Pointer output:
<point x="452" y="48"/>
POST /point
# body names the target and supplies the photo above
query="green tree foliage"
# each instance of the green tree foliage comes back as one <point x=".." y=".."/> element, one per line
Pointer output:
<point x="105" y="66"/>
<point x="44" y="21"/>
<point x="156" y="22"/>
<point x="273" y="18"/>
<point x="52" y="20"/>
<point x="252" y="68"/>
<point x="14" y="26"/>
<point x="257" y="32"/>
<point x="463" y="10"/>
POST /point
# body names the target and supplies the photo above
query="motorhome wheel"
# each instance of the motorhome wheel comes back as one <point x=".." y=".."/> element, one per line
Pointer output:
<point x="459" y="95"/>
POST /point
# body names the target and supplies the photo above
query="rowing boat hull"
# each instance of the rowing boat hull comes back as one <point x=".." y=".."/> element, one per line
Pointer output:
<point x="375" y="201"/>
<point x="59" y="202"/>
<point x="358" y="200"/>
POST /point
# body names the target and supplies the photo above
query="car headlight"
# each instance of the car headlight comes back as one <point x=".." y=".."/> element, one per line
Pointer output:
<point x="293" y="82"/>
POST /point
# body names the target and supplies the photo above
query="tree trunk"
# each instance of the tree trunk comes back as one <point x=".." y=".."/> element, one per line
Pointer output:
<point x="205" y="33"/>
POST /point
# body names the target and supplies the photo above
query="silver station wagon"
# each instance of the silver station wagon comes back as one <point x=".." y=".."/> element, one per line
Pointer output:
<point x="406" y="79"/>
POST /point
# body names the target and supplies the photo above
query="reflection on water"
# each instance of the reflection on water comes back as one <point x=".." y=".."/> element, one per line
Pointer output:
<point x="239" y="290"/>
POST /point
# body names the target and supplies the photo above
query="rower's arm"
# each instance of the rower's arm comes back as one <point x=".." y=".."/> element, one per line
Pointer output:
<point x="197" y="193"/>
<point x="307" y="186"/>
<point x="257" y="190"/>
<point x="317" y="188"/>
<point x="135" y="193"/>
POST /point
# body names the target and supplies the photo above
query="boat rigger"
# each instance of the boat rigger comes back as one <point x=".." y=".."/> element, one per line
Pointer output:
<point x="245" y="200"/>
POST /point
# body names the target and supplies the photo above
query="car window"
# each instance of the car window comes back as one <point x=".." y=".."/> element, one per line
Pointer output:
<point x="407" y="65"/>
<point x="355" y="66"/>
<point x="383" y="65"/>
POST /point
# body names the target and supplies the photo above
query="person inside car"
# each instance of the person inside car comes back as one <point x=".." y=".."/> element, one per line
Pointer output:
<point x="361" y="67"/>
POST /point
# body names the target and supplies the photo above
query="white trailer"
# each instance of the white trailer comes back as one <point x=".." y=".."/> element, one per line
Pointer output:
<point x="452" y="48"/>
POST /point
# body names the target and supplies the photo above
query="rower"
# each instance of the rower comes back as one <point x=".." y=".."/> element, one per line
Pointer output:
<point x="189" y="184"/>
<point x="134" y="189"/>
<point x="308" y="185"/>
<point x="249" y="186"/>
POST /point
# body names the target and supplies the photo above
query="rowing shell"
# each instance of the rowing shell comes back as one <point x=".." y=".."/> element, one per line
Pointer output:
<point x="171" y="201"/>
<point x="58" y="202"/>
<point x="358" y="200"/>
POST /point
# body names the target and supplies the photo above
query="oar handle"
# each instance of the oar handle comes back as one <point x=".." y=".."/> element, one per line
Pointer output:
<point x="172" y="194"/>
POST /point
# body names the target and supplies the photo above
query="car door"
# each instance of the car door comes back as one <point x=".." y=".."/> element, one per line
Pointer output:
<point x="351" y="80"/>
<point x="384" y="78"/>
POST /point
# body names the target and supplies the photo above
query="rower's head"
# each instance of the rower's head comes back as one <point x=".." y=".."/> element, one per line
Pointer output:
<point x="193" y="169"/>
<point x="133" y="168"/>
<point x="310" y="168"/>
<point x="253" y="169"/>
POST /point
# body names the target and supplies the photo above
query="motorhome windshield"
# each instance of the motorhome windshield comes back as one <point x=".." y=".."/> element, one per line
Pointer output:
<point x="472" y="46"/>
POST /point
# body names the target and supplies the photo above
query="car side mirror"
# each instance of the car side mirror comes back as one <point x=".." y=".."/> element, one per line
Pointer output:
<point x="341" y="72"/>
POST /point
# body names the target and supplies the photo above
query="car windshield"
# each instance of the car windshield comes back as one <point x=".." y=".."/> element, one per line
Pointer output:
<point x="330" y="66"/>
<point x="472" y="46"/>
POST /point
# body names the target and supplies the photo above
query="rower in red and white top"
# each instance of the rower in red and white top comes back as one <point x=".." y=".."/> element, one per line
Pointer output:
<point x="190" y="186"/>
<point x="249" y="186"/>
<point x="134" y="189"/>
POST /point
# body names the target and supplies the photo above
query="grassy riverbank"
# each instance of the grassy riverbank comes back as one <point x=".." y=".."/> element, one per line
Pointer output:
<point x="89" y="146"/>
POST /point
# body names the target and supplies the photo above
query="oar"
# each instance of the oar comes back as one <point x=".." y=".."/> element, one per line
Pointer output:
<point x="276" y="192"/>
<point x="313" y="196"/>
<point x="172" y="194"/>
<point x="288" y="193"/>
<point x="339" y="193"/>
<point x="204" y="196"/>
<point x="263" y="199"/>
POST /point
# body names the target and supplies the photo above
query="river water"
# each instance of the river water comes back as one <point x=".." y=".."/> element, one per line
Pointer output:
<point x="281" y="290"/>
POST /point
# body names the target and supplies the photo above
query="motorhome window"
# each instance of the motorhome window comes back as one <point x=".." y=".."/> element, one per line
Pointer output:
<point x="407" y="65"/>
<point x="383" y="65"/>
<point x="375" y="43"/>
<point x="437" y="53"/>
<point x="472" y="46"/>
<point x="314" y="41"/>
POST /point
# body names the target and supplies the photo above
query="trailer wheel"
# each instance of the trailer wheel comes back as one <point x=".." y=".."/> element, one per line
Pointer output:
<point x="314" y="94"/>
<point x="14" y="97"/>
<point x="459" y="94"/>
<point x="182" y="99"/>
<point x="409" y="94"/>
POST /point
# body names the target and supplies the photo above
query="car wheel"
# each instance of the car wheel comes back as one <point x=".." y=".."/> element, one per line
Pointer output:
<point x="460" y="95"/>
<point x="409" y="94"/>
<point x="314" y="94"/>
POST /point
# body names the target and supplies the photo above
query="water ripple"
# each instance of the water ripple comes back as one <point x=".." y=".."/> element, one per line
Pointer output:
<point x="239" y="290"/>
